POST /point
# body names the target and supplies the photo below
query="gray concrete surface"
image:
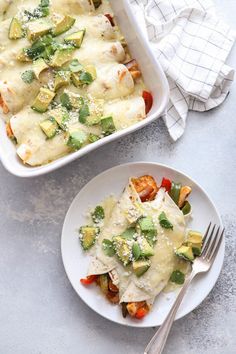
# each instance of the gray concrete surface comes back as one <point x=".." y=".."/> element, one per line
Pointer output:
<point x="39" y="311"/>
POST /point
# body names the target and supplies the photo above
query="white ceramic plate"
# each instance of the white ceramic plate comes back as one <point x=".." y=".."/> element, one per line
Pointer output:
<point x="76" y="263"/>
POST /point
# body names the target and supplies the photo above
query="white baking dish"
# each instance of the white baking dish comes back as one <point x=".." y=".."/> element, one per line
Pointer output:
<point x="153" y="76"/>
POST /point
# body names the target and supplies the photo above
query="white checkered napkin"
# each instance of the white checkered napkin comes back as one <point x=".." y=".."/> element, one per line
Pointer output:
<point x="192" y="45"/>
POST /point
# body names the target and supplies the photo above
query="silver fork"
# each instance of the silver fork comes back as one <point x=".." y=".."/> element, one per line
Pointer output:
<point x="211" y="244"/>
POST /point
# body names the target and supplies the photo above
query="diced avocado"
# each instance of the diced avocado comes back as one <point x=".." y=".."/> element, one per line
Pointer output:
<point x="140" y="267"/>
<point x="136" y="250"/>
<point x="62" y="78"/>
<point x="92" y="120"/>
<point x="15" y="30"/>
<point x="147" y="228"/>
<point x="194" y="237"/>
<point x="91" y="70"/>
<point x="185" y="252"/>
<point x="61" y="116"/>
<point x="23" y="57"/>
<point x="108" y="126"/>
<point x="98" y="214"/>
<point x="39" y="65"/>
<point x="76" y="38"/>
<point x="129" y="233"/>
<point x="75" y="79"/>
<point x="62" y="23"/>
<point x="85" y="78"/>
<point x="177" y="277"/>
<point x="88" y="236"/>
<point x="93" y="138"/>
<point x="61" y="56"/>
<point x="146" y="224"/>
<point x="194" y="240"/>
<point x="43" y="100"/>
<point x="38" y="28"/>
<point x="49" y="127"/>
<point x="71" y="100"/>
<point x="76" y="139"/>
<point x="97" y="3"/>
<point x="146" y="249"/>
<point x="108" y="248"/>
<point x="123" y="249"/>
<point x="81" y="78"/>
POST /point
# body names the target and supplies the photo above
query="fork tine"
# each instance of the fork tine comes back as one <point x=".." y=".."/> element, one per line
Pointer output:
<point x="212" y="244"/>
<point x="216" y="248"/>
<point x="207" y="242"/>
<point x="205" y="237"/>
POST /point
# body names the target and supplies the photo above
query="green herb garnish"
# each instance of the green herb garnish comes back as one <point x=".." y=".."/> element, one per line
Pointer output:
<point x="164" y="222"/>
<point x="177" y="277"/>
<point x="86" y="78"/>
<point x="84" y="113"/>
<point x="98" y="214"/>
<point x="75" y="66"/>
<point x="28" y="76"/>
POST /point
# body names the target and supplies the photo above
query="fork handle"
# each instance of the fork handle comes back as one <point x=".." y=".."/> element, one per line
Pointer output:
<point x="157" y="343"/>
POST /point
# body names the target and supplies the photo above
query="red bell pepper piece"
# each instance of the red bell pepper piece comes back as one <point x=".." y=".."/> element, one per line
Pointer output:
<point x="166" y="183"/>
<point x="142" y="312"/>
<point x="110" y="18"/>
<point x="89" y="280"/>
<point x="148" y="99"/>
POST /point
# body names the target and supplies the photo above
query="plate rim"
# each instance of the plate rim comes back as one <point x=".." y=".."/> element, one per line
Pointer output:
<point x="173" y="169"/>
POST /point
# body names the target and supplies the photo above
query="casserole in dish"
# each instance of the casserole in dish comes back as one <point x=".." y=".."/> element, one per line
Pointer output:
<point x="23" y="117"/>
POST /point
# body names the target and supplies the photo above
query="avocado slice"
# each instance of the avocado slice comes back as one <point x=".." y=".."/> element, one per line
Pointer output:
<point x="108" y="126"/>
<point x="88" y="236"/>
<point x="15" y="29"/>
<point x="49" y="127"/>
<point x="43" y="100"/>
<point x="62" y="78"/>
<point x="140" y="267"/>
<point x="39" y="65"/>
<point x="38" y="28"/>
<point x="75" y="38"/>
<point x="61" y="116"/>
<point x="76" y="139"/>
<point x="185" y="252"/>
<point x="122" y="249"/>
<point x="93" y="138"/>
<point x="194" y="240"/>
<point x="61" y="56"/>
<point x="146" y="249"/>
<point x="61" y="23"/>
